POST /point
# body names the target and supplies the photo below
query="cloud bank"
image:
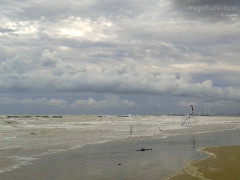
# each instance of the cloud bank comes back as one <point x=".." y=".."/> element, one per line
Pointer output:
<point x="51" y="72"/>
<point x="126" y="48"/>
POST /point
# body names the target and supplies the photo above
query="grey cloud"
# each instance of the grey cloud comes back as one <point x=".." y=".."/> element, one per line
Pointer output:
<point x="109" y="78"/>
<point x="209" y="2"/>
<point x="5" y="30"/>
<point x="49" y="59"/>
<point x="30" y="10"/>
<point x="33" y="102"/>
<point x="120" y="9"/>
<point x="213" y="10"/>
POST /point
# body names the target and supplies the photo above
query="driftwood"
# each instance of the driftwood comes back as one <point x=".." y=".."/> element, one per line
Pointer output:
<point x="143" y="149"/>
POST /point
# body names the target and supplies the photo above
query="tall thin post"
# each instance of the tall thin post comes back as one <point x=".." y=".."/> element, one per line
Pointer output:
<point x="192" y="110"/>
<point x="131" y="132"/>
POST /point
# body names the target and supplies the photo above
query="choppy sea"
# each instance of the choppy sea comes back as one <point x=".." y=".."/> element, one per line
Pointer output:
<point x="24" y="139"/>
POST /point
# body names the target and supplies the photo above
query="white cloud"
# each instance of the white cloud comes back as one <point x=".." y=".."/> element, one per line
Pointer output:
<point x="78" y="28"/>
<point x="29" y="102"/>
<point x="109" y="102"/>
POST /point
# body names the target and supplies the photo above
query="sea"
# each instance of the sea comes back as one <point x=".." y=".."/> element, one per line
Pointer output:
<point x="25" y="139"/>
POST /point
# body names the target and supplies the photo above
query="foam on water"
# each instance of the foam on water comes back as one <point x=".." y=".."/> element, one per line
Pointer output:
<point x="24" y="139"/>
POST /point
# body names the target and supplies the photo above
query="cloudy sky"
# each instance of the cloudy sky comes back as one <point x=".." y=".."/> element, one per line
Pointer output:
<point x="119" y="56"/>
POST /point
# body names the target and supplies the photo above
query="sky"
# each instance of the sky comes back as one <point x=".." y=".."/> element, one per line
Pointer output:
<point x="119" y="56"/>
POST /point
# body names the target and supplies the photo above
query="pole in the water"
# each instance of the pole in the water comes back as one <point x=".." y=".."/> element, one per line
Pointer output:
<point x="192" y="110"/>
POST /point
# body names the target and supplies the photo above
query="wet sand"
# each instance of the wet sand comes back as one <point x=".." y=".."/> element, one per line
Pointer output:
<point x="119" y="160"/>
<point x="223" y="163"/>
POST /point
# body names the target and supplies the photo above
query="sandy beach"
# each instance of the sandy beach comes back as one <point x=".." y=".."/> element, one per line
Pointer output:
<point x="222" y="164"/>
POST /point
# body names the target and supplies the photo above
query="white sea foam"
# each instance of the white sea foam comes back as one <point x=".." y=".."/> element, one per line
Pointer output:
<point x="28" y="138"/>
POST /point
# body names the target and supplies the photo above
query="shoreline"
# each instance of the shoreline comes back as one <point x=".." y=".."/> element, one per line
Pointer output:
<point x="105" y="156"/>
<point x="221" y="163"/>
